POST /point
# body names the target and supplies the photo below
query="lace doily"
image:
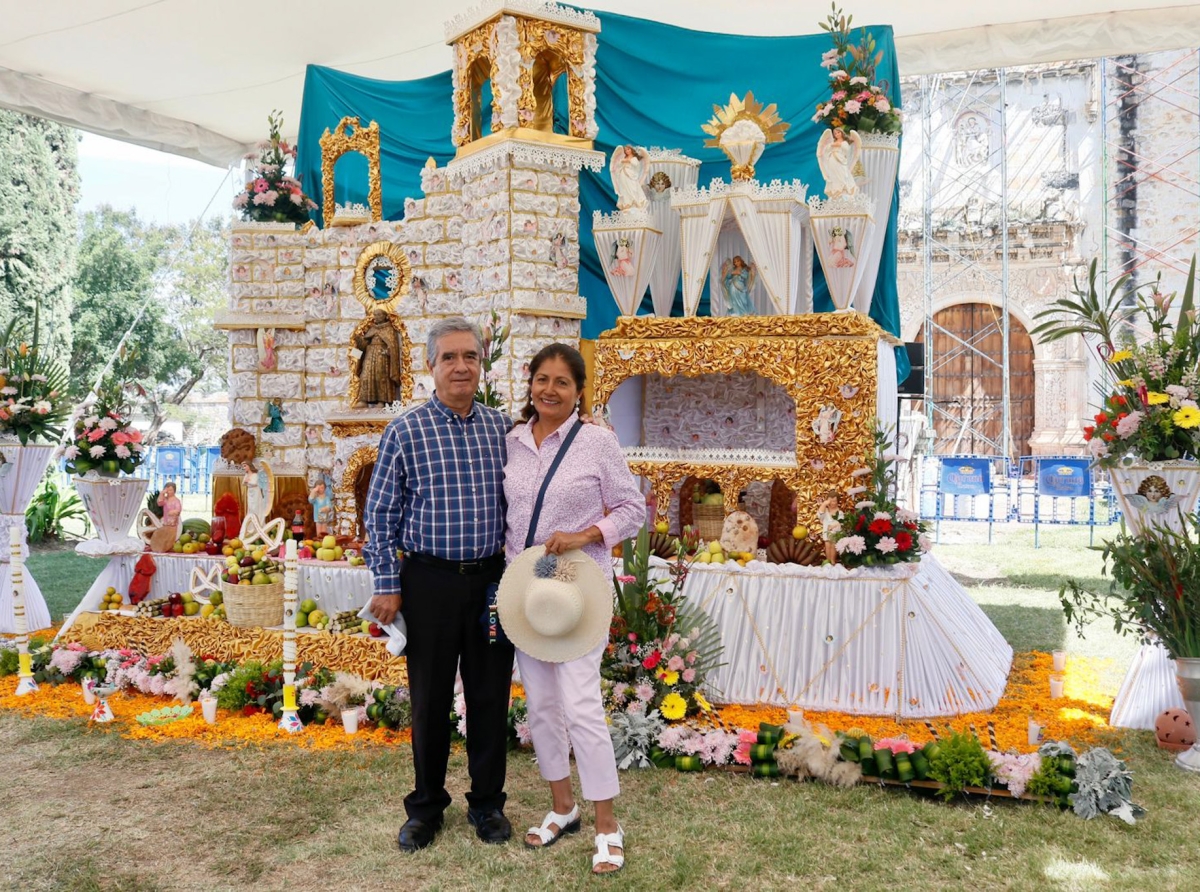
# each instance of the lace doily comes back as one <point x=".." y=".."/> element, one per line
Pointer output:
<point x="555" y="157"/>
<point x="550" y="12"/>
<point x="842" y="205"/>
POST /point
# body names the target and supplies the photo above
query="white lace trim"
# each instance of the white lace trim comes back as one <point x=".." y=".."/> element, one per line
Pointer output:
<point x="745" y="457"/>
<point x="842" y="205"/>
<point x="627" y="219"/>
<point x="351" y="211"/>
<point x="556" y="157"/>
<point x="656" y="153"/>
<point x="100" y="548"/>
<point x="825" y="571"/>
<point x="880" y="140"/>
<point x="1133" y="463"/>
<point x="506" y="49"/>
<point x="550" y="12"/>
<point x="570" y="306"/>
<point x="752" y="188"/>
<point x="264" y="226"/>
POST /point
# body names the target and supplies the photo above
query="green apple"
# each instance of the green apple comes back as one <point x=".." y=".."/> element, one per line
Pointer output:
<point x="301" y="620"/>
<point x="366" y="626"/>
<point x="308" y="605"/>
<point x="215" y="598"/>
<point x="329" y="542"/>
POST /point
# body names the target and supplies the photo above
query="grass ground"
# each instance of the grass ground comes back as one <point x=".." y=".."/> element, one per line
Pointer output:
<point x="85" y="809"/>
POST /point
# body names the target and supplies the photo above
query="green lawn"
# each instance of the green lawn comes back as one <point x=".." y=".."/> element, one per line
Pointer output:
<point x="87" y="810"/>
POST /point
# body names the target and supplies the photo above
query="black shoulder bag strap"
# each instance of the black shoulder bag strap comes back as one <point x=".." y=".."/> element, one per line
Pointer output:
<point x="541" y="496"/>
<point x="491" y="617"/>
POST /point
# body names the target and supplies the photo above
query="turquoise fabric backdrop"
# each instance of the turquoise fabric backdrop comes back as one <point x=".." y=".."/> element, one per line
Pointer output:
<point x="655" y="85"/>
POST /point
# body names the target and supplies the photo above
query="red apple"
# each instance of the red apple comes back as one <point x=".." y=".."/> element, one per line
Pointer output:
<point x="211" y="547"/>
<point x="375" y="630"/>
<point x="231" y="577"/>
<point x="177" y="609"/>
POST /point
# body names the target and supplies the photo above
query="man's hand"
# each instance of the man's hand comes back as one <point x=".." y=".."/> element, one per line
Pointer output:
<point x="560" y="542"/>
<point x="384" y="608"/>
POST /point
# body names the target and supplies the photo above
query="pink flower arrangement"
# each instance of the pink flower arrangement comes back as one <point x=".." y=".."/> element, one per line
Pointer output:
<point x="856" y="102"/>
<point x="105" y="440"/>
<point x="271" y="195"/>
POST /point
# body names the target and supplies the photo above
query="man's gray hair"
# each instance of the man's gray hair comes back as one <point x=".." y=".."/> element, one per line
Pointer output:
<point x="448" y="326"/>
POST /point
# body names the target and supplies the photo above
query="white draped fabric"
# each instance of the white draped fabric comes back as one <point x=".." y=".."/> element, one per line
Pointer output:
<point x="769" y="242"/>
<point x="700" y="224"/>
<point x="880" y="159"/>
<point x="334" y="586"/>
<point x="1149" y="688"/>
<point x="886" y="404"/>
<point x="681" y="171"/>
<point x="111" y="503"/>
<point x="20" y="473"/>
<point x="905" y="641"/>
<point x="628" y="248"/>
<point x="840" y="228"/>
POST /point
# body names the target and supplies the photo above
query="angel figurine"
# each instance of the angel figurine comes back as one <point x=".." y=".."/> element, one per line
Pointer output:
<point x="621" y="263"/>
<point x="258" y="489"/>
<point x="841" y="247"/>
<point x="629" y="168"/>
<point x="836" y="156"/>
<point x="1154" y="497"/>
<point x="737" y="280"/>
<point x="826" y="423"/>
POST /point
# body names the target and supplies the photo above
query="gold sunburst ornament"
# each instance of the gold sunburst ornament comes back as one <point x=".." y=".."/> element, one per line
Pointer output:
<point x="741" y="130"/>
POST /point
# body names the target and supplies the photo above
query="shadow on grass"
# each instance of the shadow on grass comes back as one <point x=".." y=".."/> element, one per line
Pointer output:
<point x="1045" y="582"/>
<point x="1029" y="628"/>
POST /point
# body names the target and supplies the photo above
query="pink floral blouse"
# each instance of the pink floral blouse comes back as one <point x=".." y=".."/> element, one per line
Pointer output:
<point x="593" y="477"/>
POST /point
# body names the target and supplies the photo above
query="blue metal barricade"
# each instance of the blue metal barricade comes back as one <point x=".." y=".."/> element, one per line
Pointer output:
<point x="1056" y="489"/>
<point x="965" y="488"/>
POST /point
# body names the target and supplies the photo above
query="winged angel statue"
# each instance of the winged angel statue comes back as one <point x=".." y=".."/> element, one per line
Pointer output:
<point x="1154" y="497"/>
<point x="630" y="169"/>
<point x="837" y="154"/>
<point x="737" y="280"/>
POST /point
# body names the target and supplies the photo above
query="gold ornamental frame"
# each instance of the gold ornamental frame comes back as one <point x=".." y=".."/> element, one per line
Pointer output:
<point x="406" y="375"/>
<point x="362" y="291"/>
<point x="365" y="141"/>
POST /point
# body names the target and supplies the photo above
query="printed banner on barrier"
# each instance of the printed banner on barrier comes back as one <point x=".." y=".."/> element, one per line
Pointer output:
<point x="169" y="460"/>
<point x="966" y="476"/>
<point x="1064" y="478"/>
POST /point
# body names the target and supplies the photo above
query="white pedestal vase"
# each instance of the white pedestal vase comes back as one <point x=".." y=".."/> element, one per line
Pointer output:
<point x="1148" y="689"/>
<point x="20" y="473"/>
<point x="879" y="160"/>
<point x="1187" y="673"/>
<point x="841" y="227"/>
<point x="627" y="243"/>
<point x="669" y="170"/>
<point x="1154" y="493"/>
<point x="111" y="503"/>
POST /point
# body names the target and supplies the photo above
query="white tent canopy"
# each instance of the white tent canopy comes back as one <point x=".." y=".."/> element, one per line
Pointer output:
<point x="197" y="78"/>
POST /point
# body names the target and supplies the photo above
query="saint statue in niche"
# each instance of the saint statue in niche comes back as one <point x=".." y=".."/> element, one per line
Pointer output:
<point x="629" y="168"/>
<point x="378" y="363"/>
<point x="737" y="279"/>
<point x="836" y="156"/>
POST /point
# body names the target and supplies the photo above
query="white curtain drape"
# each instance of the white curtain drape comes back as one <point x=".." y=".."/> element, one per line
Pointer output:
<point x="700" y="224"/>
<point x="681" y="171"/>
<point x="628" y="255"/>
<point x="880" y="159"/>
<point x="767" y="232"/>
<point x="886" y="388"/>
<point x="1149" y="688"/>
<point x="840" y="229"/>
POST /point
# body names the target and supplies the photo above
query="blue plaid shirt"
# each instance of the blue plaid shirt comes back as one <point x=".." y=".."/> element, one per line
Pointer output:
<point x="437" y="489"/>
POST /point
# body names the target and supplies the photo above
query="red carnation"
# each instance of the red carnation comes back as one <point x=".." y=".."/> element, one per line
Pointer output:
<point x="903" y="541"/>
<point x="880" y="527"/>
<point x="651" y="661"/>
<point x="1100" y="418"/>
<point x="1088" y="431"/>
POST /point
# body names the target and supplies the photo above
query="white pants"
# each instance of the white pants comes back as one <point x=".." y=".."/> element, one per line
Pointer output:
<point x="565" y="711"/>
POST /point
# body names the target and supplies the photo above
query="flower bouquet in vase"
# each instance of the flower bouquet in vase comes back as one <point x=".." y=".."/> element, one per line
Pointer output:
<point x="105" y="446"/>
<point x="1155" y="592"/>
<point x="271" y="194"/>
<point x="1147" y="432"/>
<point x="861" y="150"/>
<point x="33" y="408"/>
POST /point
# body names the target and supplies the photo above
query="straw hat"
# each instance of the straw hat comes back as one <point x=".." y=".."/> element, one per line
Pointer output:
<point x="555" y="607"/>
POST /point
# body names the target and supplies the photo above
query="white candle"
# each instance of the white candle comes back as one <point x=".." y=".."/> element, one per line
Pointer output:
<point x="1035" y="733"/>
<point x="208" y="706"/>
<point x="1056" y="687"/>
<point x="1060" y="660"/>
<point x="350" y="720"/>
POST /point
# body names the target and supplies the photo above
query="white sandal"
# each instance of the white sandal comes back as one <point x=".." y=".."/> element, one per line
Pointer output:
<point x="605" y="854"/>
<point x="566" y="824"/>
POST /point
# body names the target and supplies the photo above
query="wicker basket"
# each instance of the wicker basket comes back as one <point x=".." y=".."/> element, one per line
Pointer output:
<point x="253" y="605"/>
<point x="709" y="520"/>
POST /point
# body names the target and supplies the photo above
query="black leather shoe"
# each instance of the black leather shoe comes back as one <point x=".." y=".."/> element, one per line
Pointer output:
<point x="417" y="834"/>
<point x="490" y="826"/>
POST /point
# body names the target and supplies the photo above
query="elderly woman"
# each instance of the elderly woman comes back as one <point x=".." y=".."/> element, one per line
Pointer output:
<point x="566" y="709"/>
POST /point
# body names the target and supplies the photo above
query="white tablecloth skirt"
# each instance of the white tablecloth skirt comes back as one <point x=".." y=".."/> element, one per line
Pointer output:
<point x="334" y="587"/>
<point x="1148" y="690"/>
<point x="37" y="614"/>
<point x="905" y="641"/>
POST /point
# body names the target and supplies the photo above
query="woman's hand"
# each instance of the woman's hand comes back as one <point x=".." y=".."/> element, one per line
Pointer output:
<point x="560" y="541"/>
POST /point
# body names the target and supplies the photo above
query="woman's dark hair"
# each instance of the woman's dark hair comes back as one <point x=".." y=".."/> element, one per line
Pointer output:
<point x="574" y="360"/>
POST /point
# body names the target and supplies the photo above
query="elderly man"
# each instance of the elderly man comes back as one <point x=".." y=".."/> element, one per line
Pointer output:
<point x="436" y="495"/>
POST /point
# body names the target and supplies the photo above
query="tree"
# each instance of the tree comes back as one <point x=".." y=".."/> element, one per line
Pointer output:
<point x="39" y="187"/>
<point x="174" y="348"/>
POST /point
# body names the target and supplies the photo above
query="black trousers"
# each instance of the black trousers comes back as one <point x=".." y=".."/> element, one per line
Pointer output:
<point x="442" y="609"/>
